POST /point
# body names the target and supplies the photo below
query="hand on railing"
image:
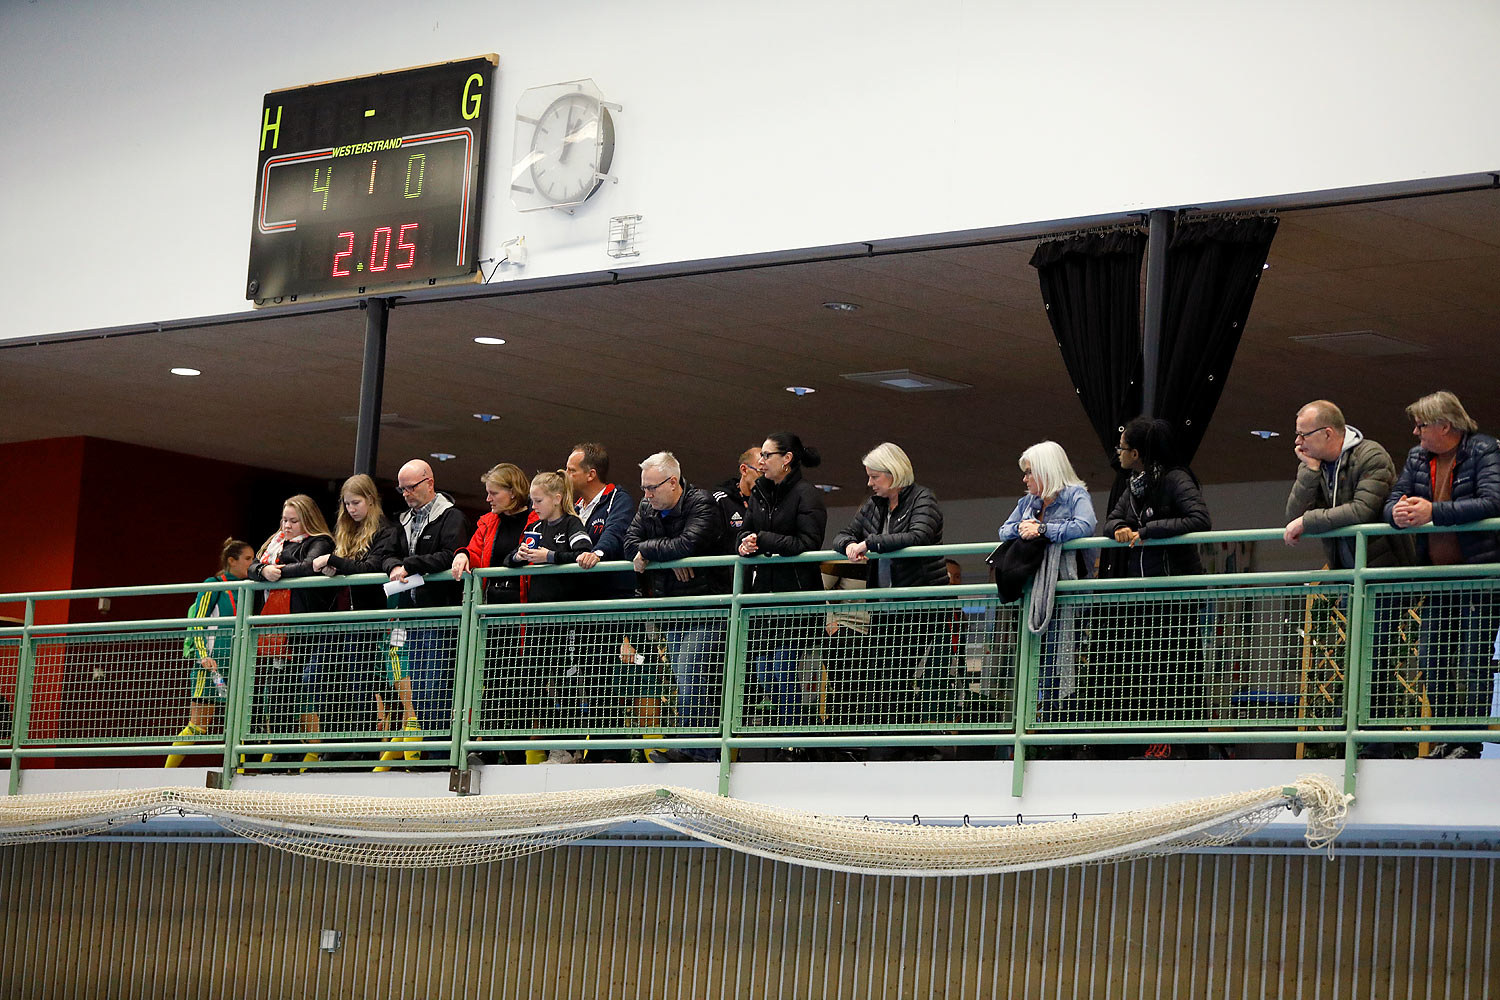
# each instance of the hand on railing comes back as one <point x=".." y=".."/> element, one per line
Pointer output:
<point x="460" y="565"/>
<point x="856" y="552"/>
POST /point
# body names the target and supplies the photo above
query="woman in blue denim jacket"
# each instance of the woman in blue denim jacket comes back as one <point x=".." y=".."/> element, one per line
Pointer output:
<point x="1056" y="504"/>
<point x="1057" y="507"/>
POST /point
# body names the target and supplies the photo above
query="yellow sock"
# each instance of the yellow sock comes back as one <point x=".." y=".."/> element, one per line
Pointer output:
<point x="536" y="756"/>
<point x="388" y="755"/>
<point x="411" y="725"/>
<point x="176" y="759"/>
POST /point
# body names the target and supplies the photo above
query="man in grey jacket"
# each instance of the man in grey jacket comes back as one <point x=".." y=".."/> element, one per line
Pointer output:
<point x="1343" y="480"/>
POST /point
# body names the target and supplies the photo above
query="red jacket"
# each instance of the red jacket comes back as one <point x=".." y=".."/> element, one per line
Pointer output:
<point x="482" y="546"/>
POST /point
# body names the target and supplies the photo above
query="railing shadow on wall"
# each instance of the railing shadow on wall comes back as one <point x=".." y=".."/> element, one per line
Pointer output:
<point x="1337" y="662"/>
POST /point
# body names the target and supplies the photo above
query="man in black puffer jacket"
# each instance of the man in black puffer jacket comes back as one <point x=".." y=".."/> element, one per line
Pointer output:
<point x="898" y="515"/>
<point x="1452" y="477"/>
<point x="678" y="521"/>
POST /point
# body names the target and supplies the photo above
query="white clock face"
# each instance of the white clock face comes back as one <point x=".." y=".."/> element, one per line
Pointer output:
<point x="565" y="149"/>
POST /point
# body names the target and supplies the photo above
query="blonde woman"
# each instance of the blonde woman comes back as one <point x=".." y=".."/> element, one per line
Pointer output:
<point x="363" y="538"/>
<point x="557" y="538"/>
<point x="289" y="554"/>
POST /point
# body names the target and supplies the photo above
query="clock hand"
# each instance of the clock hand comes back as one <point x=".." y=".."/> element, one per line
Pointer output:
<point x="567" y="143"/>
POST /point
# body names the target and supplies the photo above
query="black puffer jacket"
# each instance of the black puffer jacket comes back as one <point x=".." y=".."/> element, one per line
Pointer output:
<point x="695" y="527"/>
<point x="383" y="546"/>
<point x="1476" y="494"/>
<point x="1171" y="505"/>
<point x="296" y="561"/>
<point x="787" y="519"/>
<point x="915" y="521"/>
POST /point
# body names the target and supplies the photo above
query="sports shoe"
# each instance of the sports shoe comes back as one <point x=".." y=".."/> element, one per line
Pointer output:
<point x="1453" y="751"/>
<point x="561" y="757"/>
<point x="1438" y="751"/>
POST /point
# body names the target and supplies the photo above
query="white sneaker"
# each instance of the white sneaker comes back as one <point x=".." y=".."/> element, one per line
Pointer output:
<point x="561" y="757"/>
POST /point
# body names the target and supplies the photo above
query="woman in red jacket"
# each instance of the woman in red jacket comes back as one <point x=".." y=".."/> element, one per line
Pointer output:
<point x="507" y="490"/>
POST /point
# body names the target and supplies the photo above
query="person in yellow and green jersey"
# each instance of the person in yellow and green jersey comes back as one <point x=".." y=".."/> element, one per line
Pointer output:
<point x="207" y="647"/>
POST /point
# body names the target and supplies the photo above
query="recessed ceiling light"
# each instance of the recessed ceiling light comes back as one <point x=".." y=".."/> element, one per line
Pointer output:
<point x="486" y="417"/>
<point x="1266" y="266"/>
<point x="1266" y="435"/>
<point x="800" y="390"/>
<point x="841" y="307"/>
<point x="827" y="487"/>
<point x="489" y="341"/>
<point x="186" y="371"/>
<point x="906" y="380"/>
<point x="443" y="456"/>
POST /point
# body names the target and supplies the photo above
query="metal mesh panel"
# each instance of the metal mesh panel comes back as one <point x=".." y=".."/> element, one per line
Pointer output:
<point x="10" y="659"/>
<point x="1431" y="647"/>
<point x="354" y="680"/>
<point x="576" y="674"/>
<point x="1259" y="656"/>
<point x="879" y="667"/>
<point x="115" y="688"/>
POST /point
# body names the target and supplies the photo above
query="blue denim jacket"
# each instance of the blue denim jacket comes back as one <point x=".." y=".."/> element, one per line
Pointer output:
<point x="1070" y="516"/>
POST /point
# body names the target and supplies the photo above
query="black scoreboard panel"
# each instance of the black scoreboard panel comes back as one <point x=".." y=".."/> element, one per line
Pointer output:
<point x="370" y="185"/>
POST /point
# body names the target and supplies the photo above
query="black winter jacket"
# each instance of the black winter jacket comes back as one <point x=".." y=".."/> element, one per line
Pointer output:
<point x="607" y="524"/>
<point x="1476" y="495"/>
<point x="383" y="546"/>
<point x="296" y="561"/>
<point x="787" y="519"/>
<point x="1172" y="505"/>
<point x="432" y="556"/>
<point x="915" y="521"/>
<point x="695" y="527"/>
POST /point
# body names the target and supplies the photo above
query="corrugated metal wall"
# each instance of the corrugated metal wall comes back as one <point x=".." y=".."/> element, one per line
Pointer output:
<point x="230" y="920"/>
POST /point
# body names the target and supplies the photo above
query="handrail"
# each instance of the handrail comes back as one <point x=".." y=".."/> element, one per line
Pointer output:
<point x="741" y="613"/>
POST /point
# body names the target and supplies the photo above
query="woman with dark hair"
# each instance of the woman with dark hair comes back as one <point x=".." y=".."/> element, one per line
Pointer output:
<point x="1152" y="670"/>
<point x="786" y="518"/>
<point x="209" y="647"/>
<point x="363" y="538"/>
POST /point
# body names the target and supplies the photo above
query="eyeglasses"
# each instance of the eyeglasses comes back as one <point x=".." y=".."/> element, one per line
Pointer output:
<point x="1121" y="449"/>
<point x="771" y="454"/>
<point x="653" y="489"/>
<point x="413" y="487"/>
<point x="1422" y="425"/>
<point x="1301" y="435"/>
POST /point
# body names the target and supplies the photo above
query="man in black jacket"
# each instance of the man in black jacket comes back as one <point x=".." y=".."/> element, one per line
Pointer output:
<point x="678" y="521"/>
<point x="432" y="530"/>
<point x="1452" y="477"/>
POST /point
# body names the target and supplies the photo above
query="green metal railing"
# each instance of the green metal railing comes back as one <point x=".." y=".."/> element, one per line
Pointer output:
<point x="1330" y="660"/>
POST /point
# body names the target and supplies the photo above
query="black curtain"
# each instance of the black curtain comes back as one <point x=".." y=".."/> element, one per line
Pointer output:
<point x="1213" y="269"/>
<point x="1091" y="286"/>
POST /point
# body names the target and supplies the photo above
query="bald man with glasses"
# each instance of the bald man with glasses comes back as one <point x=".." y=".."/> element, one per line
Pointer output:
<point x="432" y="530"/>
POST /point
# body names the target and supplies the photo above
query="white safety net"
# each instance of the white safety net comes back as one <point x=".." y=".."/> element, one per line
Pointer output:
<point x="424" y="832"/>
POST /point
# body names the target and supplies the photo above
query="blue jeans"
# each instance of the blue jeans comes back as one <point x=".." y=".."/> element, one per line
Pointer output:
<point x="776" y="670"/>
<point x="430" y="655"/>
<point x="697" y="656"/>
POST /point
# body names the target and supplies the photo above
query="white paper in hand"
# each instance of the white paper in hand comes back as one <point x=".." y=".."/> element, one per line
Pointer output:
<point x="395" y="588"/>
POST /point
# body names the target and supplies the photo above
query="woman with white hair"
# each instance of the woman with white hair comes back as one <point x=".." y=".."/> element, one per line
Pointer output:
<point x="881" y="692"/>
<point x="1055" y="508"/>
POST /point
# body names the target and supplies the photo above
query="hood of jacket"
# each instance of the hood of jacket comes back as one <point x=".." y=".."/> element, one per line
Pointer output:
<point x="440" y="504"/>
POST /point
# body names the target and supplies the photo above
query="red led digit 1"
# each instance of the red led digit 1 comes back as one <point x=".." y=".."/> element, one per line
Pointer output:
<point x="411" y="248"/>
<point x="380" y="252"/>
<point x="346" y="252"/>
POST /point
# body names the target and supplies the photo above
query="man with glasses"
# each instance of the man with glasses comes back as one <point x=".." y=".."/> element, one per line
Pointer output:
<point x="432" y="530"/>
<point x="1343" y="480"/>
<point x="736" y="489"/>
<point x="1452" y="476"/>
<point x="677" y="521"/>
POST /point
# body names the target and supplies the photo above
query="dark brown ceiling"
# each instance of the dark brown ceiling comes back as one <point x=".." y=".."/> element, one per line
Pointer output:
<point x="698" y="365"/>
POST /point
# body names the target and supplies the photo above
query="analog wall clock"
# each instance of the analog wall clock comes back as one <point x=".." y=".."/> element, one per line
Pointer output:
<point x="564" y="146"/>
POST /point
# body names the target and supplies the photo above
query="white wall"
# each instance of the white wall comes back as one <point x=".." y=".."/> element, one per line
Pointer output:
<point x="131" y="128"/>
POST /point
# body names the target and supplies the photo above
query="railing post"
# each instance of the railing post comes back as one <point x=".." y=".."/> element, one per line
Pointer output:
<point x="1026" y="673"/>
<point x="1356" y="677"/>
<point x="237" y="705"/>
<point x="458" y="728"/>
<point x="21" y="718"/>
<point x="734" y="675"/>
